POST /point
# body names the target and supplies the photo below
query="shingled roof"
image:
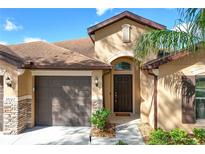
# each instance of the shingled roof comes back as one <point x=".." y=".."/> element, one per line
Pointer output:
<point x="84" y="46"/>
<point x="49" y="56"/>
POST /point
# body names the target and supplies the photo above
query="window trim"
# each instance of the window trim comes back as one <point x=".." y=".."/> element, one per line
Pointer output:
<point x="130" y="66"/>
<point x="197" y="98"/>
<point x="126" y="37"/>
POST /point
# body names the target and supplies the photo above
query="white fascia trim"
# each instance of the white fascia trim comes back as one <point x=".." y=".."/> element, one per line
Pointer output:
<point x="60" y="73"/>
<point x="197" y="71"/>
<point x="121" y="54"/>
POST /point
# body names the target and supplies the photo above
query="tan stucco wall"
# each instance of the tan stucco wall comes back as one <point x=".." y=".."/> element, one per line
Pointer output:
<point x="97" y="92"/>
<point x="25" y="83"/>
<point x="147" y="91"/>
<point x="108" y="41"/>
<point x="169" y="90"/>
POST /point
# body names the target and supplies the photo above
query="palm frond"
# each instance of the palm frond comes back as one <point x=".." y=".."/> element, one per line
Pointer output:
<point x="189" y="31"/>
<point x="164" y="40"/>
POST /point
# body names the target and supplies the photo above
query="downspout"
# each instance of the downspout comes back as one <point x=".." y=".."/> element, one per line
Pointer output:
<point x="155" y="75"/>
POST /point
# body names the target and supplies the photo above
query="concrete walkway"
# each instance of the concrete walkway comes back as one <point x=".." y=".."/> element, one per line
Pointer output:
<point x="127" y="132"/>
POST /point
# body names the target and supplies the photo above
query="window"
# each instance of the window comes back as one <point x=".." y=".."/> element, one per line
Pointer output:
<point x="200" y="97"/>
<point x="122" y="66"/>
<point x="126" y="33"/>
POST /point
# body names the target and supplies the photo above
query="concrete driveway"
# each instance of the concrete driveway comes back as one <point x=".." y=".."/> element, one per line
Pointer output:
<point x="56" y="135"/>
<point x="126" y="130"/>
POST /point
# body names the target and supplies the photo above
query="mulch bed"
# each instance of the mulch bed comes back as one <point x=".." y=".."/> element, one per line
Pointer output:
<point x="109" y="131"/>
<point x="145" y="130"/>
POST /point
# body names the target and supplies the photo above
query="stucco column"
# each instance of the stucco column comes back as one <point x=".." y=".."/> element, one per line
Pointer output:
<point x="97" y="94"/>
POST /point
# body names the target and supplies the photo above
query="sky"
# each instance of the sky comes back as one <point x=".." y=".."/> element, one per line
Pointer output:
<point x="53" y="25"/>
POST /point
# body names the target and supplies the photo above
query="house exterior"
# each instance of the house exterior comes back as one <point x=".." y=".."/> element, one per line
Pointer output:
<point x="62" y="83"/>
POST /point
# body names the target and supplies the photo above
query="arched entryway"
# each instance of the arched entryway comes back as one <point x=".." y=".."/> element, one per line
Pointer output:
<point x="124" y="86"/>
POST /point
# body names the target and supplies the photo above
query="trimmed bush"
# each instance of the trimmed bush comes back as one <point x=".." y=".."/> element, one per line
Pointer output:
<point x="158" y="137"/>
<point x="99" y="118"/>
<point x="199" y="134"/>
<point x="174" y="137"/>
<point x="189" y="141"/>
<point x="179" y="136"/>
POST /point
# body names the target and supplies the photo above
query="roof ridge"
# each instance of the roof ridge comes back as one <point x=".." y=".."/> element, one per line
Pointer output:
<point x="84" y="38"/>
<point x="23" y="43"/>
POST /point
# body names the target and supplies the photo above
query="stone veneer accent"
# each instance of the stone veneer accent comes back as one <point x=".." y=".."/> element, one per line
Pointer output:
<point x="17" y="114"/>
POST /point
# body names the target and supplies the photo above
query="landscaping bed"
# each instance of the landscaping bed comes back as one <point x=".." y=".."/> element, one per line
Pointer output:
<point x="101" y="126"/>
<point x="108" y="131"/>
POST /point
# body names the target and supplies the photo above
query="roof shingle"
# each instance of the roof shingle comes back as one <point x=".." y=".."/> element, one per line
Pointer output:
<point x="84" y="46"/>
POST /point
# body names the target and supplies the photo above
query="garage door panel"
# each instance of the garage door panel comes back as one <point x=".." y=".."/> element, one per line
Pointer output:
<point x="68" y="100"/>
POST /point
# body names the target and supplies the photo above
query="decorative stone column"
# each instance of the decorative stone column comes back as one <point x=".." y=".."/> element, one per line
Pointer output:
<point x="24" y="112"/>
<point x="10" y="116"/>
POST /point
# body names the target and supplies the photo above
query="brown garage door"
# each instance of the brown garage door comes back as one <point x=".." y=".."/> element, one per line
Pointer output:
<point x="1" y="103"/>
<point x="63" y="101"/>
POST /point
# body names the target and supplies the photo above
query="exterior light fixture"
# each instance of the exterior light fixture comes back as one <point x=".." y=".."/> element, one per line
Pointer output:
<point x="8" y="81"/>
<point x="96" y="81"/>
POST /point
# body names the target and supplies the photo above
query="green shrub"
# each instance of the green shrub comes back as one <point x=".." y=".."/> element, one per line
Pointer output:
<point x="158" y="137"/>
<point x="189" y="141"/>
<point x="199" y="134"/>
<point x="99" y="118"/>
<point x="120" y="142"/>
<point x="179" y="136"/>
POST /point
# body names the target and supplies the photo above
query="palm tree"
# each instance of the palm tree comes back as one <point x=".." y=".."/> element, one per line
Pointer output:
<point x="188" y="33"/>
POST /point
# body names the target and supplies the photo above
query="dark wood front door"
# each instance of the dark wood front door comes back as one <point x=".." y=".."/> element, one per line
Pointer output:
<point x="123" y="93"/>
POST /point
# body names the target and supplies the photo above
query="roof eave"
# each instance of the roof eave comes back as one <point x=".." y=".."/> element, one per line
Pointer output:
<point x="91" y="30"/>
<point x="67" y="68"/>
<point x="157" y="62"/>
<point x="13" y="60"/>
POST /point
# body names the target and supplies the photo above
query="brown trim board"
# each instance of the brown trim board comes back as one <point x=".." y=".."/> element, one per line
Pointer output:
<point x="155" y="99"/>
